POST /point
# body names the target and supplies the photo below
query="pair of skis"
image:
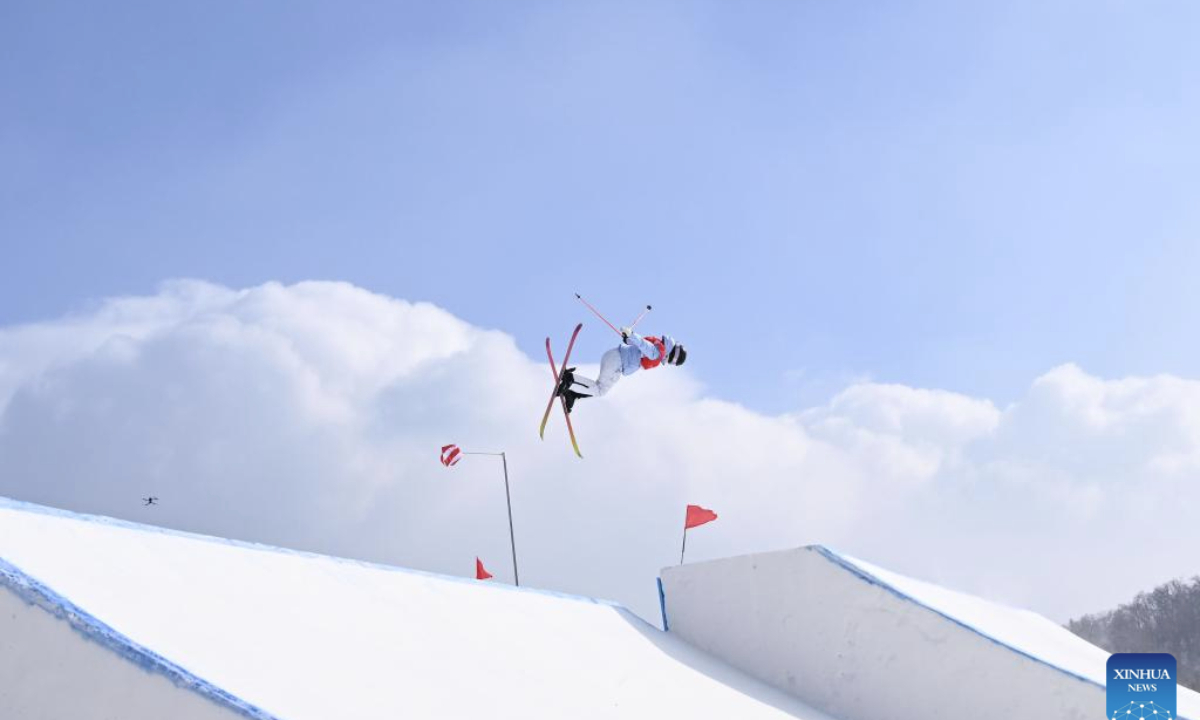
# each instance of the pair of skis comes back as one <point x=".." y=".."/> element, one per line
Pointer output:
<point x="554" y="393"/>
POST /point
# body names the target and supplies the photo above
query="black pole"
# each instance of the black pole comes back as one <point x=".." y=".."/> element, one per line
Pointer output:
<point x="511" y="537"/>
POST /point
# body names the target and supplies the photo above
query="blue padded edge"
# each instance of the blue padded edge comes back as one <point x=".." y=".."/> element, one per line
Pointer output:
<point x="662" y="605"/>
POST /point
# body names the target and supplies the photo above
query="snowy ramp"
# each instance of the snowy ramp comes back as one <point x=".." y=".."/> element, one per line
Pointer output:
<point x="101" y="618"/>
<point x="863" y="643"/>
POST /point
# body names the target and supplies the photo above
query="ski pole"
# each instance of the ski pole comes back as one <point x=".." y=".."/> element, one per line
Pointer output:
<point x="639" y="318"/>
<point x="606" y="322"/>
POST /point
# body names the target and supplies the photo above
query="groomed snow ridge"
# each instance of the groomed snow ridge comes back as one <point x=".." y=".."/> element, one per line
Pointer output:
<point x="862" y="643"/>
<point x="101" y="619"/>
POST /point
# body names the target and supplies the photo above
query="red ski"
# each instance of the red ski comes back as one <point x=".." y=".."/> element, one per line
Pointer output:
<point x="554" y="392"/>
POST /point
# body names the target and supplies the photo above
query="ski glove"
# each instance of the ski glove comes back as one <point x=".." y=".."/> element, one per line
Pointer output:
<point x="625" y="333"/>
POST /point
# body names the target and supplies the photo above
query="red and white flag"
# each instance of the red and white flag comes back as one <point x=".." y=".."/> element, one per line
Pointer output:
<point x="480" y="572"/>
<point x="451" y="455"/>
<point x="697" y="515"/>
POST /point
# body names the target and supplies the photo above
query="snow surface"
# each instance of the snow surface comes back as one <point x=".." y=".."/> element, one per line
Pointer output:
<point x="1021" y="630"/>
<point x="298" y="636"/>
<point x="858" y="641"/>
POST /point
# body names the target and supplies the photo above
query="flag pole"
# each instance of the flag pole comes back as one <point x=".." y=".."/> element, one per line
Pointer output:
<point x="507" y="499"/>
<point x="683" y="549"/>
<point x="511" y="536"/>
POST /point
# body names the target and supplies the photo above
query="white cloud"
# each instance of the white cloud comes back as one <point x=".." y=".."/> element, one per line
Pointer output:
<point x="311" y="416"/>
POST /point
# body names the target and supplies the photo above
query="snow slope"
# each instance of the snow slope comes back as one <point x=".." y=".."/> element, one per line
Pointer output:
<point x="1020" y="631"/>
<point x="268" y="633"/>
<point x="860" y="642"/>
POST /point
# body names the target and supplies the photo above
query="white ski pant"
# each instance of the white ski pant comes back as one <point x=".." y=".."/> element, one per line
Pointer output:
<point x="610" y="373"/>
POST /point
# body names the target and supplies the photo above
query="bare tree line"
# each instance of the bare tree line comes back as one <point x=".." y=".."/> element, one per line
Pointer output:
<point x="1164" y="620"/>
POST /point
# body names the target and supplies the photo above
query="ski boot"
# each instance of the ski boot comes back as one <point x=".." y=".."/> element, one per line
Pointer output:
<point x="569" y="396"/>
<point x="565" y="380"/>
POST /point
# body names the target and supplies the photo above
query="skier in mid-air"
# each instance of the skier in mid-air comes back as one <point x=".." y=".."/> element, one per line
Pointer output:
<point x="634" y="353"/>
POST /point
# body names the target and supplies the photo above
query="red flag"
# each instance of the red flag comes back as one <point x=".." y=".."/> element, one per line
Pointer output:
<point x="480" y="573"/>
<point x="697" y="515"/>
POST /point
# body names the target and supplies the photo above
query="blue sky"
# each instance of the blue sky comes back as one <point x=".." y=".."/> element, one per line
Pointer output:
<point x="950" y="195"/>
